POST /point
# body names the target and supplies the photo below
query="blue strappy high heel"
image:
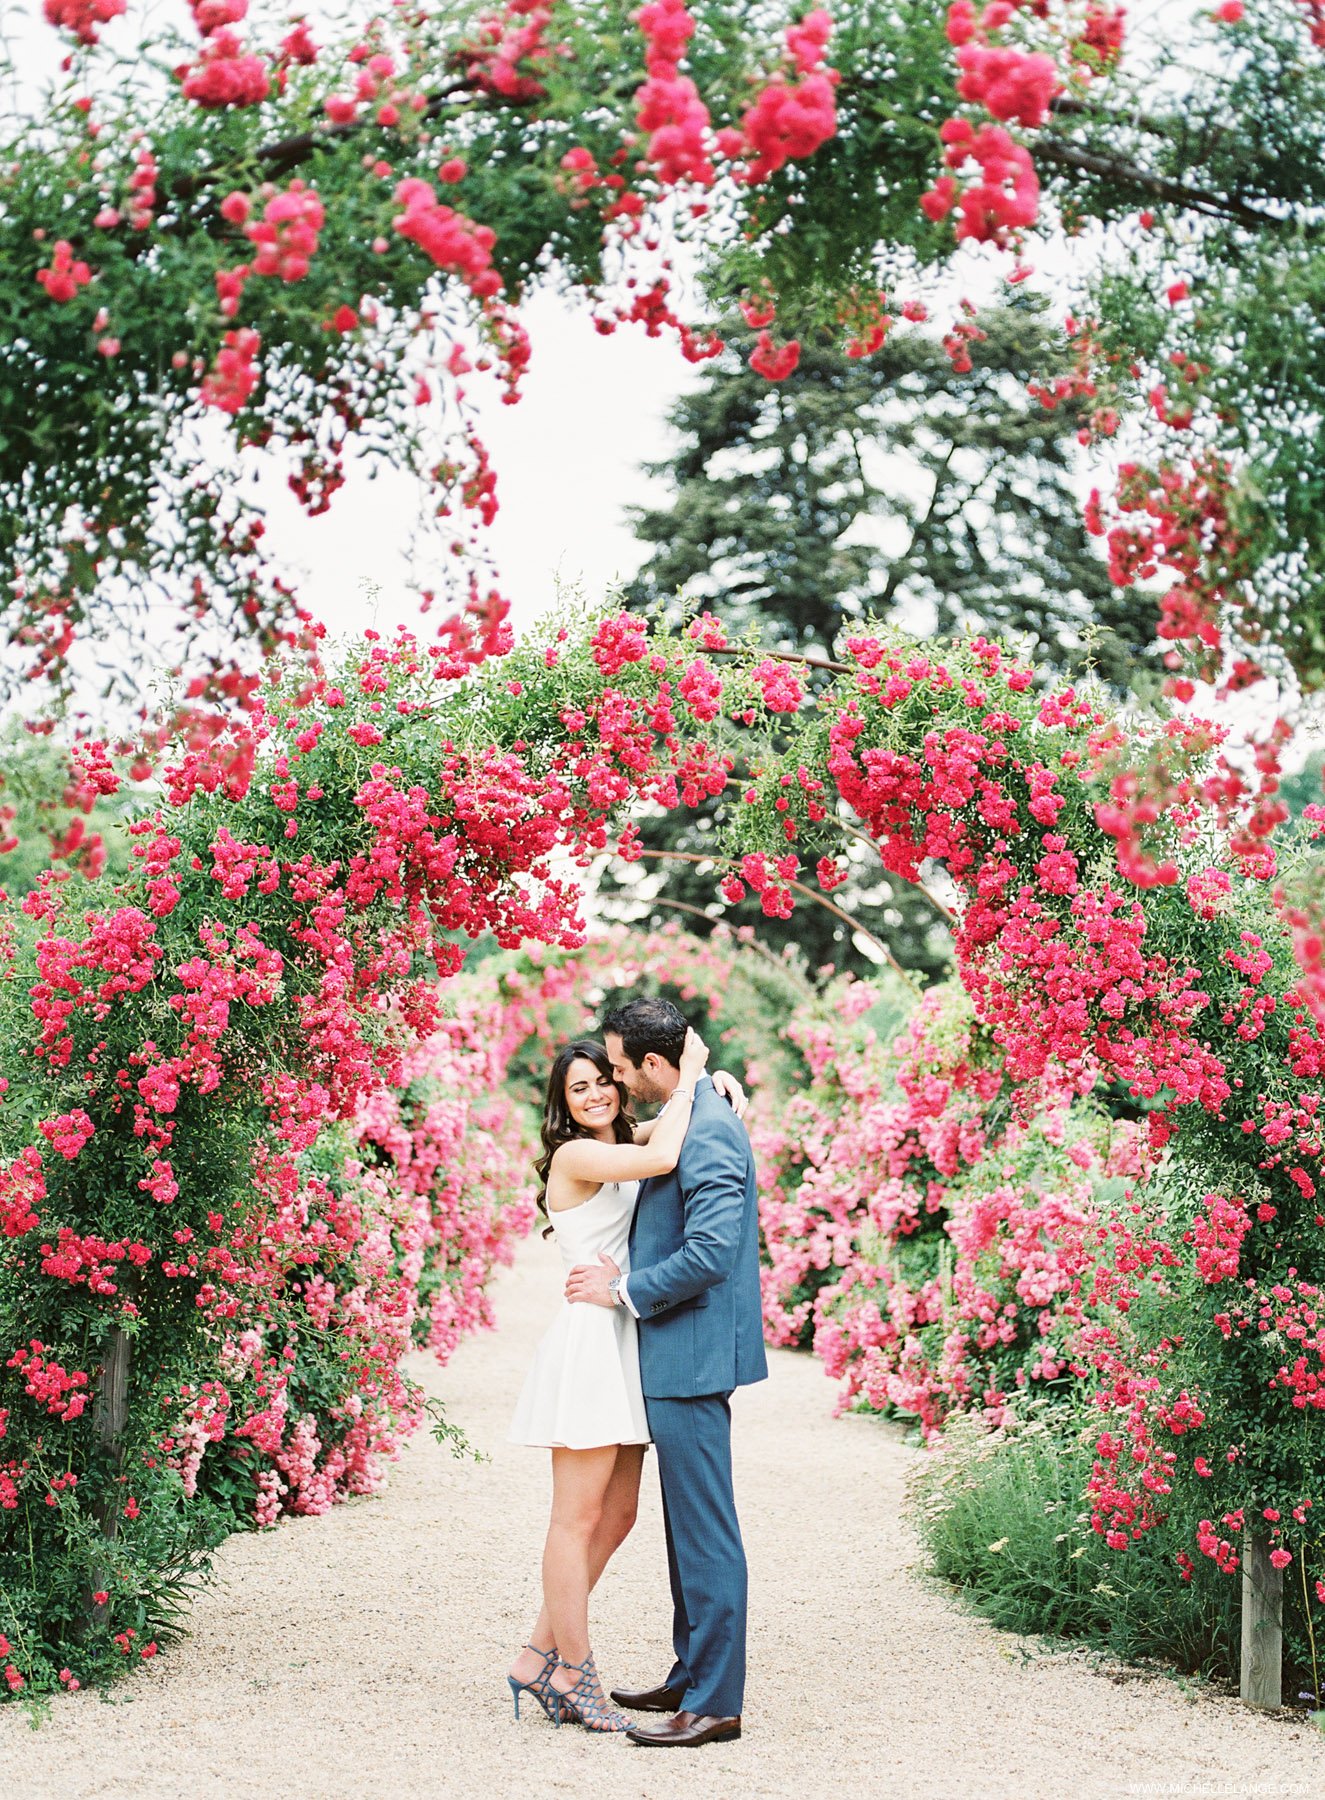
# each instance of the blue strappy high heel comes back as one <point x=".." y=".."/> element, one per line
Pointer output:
<point x="586" y="1703"/>
<point x="540" y="1687"/>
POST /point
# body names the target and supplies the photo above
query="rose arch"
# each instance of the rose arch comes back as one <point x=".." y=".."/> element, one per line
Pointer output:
<point x="235" y="1185"/>
<point x="243" y="1092"/>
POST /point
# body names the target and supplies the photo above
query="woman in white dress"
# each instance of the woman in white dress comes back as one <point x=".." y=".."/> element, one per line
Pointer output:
<point x="582" y="1397"/>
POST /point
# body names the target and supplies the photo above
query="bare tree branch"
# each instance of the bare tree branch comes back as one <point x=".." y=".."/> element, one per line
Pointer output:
<point x="1162" y="187"/>
<point x="723" y="862"/>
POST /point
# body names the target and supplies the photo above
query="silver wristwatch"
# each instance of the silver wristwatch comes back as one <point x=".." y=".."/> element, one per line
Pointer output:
<point x="614" y="1289"/>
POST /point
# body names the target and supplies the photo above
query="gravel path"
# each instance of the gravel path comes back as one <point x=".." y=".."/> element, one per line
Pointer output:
<point x="362" y="1654"/>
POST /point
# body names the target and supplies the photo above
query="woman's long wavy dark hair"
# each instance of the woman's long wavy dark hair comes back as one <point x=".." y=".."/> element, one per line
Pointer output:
<point x="558" y="1126"/>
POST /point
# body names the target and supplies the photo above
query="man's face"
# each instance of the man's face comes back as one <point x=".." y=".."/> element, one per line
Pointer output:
<point x="639" y="1081"/>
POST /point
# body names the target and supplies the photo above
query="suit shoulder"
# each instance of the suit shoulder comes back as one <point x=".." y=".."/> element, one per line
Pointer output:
<point x="713" y="1117"/>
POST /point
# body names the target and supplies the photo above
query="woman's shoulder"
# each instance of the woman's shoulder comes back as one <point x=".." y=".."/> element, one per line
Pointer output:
<point x="577" y="1189"/>
<point x="605" y="1188"/>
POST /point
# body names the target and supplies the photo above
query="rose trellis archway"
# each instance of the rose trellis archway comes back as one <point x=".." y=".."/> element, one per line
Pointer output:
<point x="195" y="1054"/>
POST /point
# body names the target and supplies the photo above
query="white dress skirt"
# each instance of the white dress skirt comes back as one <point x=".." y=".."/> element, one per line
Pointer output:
<point x="583" y="1388"/>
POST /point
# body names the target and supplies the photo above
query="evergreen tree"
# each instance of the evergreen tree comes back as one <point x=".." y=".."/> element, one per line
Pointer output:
<point x="895" y="486"/>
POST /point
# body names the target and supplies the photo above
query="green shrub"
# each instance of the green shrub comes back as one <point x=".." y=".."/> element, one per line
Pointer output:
<point x="1000" y="1514"/>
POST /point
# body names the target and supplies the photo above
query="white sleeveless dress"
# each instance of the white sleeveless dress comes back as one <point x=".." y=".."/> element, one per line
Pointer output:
<point x="583" y="1388"/>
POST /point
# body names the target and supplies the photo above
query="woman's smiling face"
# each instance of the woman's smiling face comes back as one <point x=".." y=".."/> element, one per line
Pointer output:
<point x="592" y="1099"/>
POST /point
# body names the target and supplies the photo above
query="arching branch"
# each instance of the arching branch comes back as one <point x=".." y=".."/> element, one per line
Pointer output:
<point x="791" y="656"/>
<point x="799" y="887"/>
<point x="856" y="831"/>
<point x="1160" y="187"/>
<point x="284" y="154"/>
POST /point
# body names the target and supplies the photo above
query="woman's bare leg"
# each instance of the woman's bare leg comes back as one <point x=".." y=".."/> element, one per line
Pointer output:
<point x="620" y="1500"/>
<point x="580" y="1480"/>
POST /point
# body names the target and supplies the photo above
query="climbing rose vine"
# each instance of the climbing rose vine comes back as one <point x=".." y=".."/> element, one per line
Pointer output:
<point x="953" y="1241"/>
<point x="246" y="1155"/>
<point x="1097" y="1163"/>
<point x="1127" y="1101"/>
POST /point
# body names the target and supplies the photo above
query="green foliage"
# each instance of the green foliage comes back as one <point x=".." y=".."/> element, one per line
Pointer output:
<point x="37" y="809"/>
<point x="1000" y="1516"/>
<point x="46" y="1609"/>
<point x="1306" y="786"/>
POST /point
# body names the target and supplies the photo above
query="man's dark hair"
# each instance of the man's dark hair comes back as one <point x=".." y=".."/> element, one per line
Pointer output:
<point x="648" y="1024"/>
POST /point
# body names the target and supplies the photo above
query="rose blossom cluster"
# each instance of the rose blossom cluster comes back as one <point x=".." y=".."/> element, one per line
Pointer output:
<point x="1179" y="515"/>
<point x="447" y="238"/>
<point x="506" y="57"/>
<point x="888" y="1150"/>
<point x="796" y="114"/>
<point x="83" y="17"/>
<point x="232" y="378"/>
<point x="65" y="275"/>
<point x="669" y="105"/>
<point x="1009" y="85"/>
<point x="1004" y="199"/>
<point x="792" y="116"/>
<point x="393" y="1250"/>
<point x="225" y="74"/>
<point x="892" y="1148"/>
<point x="287" y="233"/>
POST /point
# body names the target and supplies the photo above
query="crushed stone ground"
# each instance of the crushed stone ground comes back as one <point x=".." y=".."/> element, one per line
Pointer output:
<point x="362" y="1655"/>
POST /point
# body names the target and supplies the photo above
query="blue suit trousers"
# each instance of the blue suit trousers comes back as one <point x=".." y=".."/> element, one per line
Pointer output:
<point x="705" y="1555"/>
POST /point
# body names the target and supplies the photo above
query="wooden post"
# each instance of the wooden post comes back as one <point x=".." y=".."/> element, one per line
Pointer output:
<point x="110" y="1416"/>
<point x="1262" y="1624"/>
<point x="110" y="1412"/>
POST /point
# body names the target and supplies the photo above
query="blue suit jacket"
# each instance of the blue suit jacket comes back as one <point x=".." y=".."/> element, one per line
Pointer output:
<point x="694" y="1262"/>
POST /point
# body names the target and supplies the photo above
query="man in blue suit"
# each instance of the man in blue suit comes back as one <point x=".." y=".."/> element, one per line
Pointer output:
<point x="694" y="1287"/>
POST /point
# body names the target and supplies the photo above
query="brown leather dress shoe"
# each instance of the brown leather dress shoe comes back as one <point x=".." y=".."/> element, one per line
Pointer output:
<point x="659" y="1699"/>
<point x="686" y="1729"/>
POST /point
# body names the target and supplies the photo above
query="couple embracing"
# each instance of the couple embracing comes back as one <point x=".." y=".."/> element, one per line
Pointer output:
<point x="658" y="1228"/>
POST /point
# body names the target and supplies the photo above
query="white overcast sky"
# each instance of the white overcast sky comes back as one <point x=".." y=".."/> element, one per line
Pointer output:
<point x="568" y="462"/>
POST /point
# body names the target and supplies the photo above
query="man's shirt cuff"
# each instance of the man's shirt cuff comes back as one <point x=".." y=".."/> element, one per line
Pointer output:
<point x="626" y="1300"/>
